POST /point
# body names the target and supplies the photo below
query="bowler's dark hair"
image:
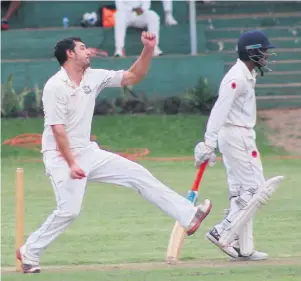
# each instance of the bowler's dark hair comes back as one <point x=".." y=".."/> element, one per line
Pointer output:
<point x="61" y="47"/>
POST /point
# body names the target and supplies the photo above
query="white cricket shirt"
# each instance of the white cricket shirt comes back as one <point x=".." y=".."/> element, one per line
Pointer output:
<point x="128" y="6"/>
<point x="236" y="103"/>
<point x="71" y="105"/>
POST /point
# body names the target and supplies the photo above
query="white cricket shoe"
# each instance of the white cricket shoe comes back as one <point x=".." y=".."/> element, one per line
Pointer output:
<point x="233" y="250"/>
<point x="202" y="212"/>
<point x="255" y="256"/>
<point x="119" y="52"/>
<point x="213" y="236"/>
<point x="28" y="266"/>
<point x="157" y="52"/>
<point x="170" y="20"/>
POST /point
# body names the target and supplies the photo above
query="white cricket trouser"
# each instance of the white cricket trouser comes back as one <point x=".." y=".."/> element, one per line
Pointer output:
<point x="100" y="166"/>
<point x="125" y="19"/>
<point x="167" y="6"/>
<point x="240" y="157"/>
<point x="243" y="165"/>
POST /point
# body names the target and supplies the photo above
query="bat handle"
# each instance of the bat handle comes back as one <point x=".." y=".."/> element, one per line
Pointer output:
<point x="199" y="176"/>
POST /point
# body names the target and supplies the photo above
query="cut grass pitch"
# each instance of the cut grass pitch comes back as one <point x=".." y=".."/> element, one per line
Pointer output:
<point x="118" y="226"/>
<point x="163" y="135"/>
<point x="250" y="273"/>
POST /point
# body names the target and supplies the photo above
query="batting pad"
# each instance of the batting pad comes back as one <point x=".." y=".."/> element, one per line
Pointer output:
<point x="246" y="239"/>
<point x="259" y="199"/>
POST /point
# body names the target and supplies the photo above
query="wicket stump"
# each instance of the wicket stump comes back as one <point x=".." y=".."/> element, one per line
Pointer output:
<point x="19" y="212"/>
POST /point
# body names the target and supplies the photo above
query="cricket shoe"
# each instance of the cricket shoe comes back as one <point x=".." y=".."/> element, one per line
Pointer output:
<point x="202" y="212"/>
<point x="170" y="20"/>
<point x="157" y="52"/>
<point x="4" y="25"/>
<point x="213" y="236"/>
<point x="120" y="52"/>
<point x="28" y="266"/>
<point x="255" y="256"/>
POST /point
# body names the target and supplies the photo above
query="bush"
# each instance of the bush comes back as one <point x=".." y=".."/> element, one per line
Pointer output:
<point x="12" y="103"/>
<point x="198" y="100"/>
<point x="202" y="97"/>
<point x="34" y="105"/>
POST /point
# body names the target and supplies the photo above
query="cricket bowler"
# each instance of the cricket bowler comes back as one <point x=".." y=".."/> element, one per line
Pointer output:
<point x="71" y="159"/>
<point x="231" y="127"/>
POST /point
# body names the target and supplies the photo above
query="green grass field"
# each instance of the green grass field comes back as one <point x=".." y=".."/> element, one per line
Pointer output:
<point x="117" y="226"/>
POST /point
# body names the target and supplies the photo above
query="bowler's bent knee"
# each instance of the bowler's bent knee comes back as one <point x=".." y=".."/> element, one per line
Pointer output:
<point x="152" y="17"/>
<point x="71" y="214"/>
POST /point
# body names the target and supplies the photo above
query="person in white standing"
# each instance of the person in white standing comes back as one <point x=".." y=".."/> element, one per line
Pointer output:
<point x="135" y="14"/>
<point x="71" y="159"/>
<point x="231" y="126"/>
<point x="168" y="11"/>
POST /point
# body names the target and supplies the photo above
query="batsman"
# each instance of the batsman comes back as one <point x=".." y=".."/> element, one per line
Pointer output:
<point x="231" y="128"/>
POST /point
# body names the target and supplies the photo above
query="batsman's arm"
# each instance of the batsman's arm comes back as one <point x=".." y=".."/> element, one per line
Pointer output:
<point x="227" y="92"/>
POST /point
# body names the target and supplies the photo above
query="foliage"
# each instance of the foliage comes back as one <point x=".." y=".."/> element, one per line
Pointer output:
<point x="28" y="103"/>
<point x="34" y="104"/>
<point x="202" y="96"/>
<point x="12" y="103"/>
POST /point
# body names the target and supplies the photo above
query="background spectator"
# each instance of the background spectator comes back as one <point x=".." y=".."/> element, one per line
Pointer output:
<point x="134" y="14"/>
<point x="169" y="19"/>
<point x="13" y="6"/>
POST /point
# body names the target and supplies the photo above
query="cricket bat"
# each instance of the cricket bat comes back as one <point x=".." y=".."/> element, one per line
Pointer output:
<point x="178" y="233"/>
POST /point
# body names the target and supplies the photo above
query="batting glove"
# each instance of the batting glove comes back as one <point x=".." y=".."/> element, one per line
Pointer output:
<point x="203" y="152"/>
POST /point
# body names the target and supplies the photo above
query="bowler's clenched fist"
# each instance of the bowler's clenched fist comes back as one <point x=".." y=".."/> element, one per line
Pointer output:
<point x="148" y="39"/>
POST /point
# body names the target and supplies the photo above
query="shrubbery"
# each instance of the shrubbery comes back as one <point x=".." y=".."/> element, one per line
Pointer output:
<point x="28" y="103"/>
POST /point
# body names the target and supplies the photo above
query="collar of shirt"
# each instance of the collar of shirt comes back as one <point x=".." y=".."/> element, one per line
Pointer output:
<point x="65" y="78"/>
<point x="251" y="75"/>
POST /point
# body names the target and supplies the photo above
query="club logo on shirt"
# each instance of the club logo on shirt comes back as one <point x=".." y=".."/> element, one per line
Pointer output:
<point x="87" y="90"/>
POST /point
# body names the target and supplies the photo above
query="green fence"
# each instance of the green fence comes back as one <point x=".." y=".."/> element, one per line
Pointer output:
<point x="168" y="76"/>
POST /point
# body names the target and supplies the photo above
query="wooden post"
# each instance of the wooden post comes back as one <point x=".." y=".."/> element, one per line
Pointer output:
<point x="19" y="212"/>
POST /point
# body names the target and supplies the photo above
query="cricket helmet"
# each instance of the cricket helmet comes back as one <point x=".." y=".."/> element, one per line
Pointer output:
<point x="253" y="46"/>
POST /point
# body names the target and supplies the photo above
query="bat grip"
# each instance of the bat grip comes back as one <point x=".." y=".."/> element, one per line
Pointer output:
<point x="199" y="176"/>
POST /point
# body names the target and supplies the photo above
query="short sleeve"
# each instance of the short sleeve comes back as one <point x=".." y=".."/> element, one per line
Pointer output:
<point x="113" y="78"/>
<point x="107" y="78"/>
<point x="54" y="105"/>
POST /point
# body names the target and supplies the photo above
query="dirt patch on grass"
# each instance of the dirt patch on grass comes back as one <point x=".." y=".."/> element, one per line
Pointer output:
<point x="285" y="128"/>
<point x="162" y="265"/>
